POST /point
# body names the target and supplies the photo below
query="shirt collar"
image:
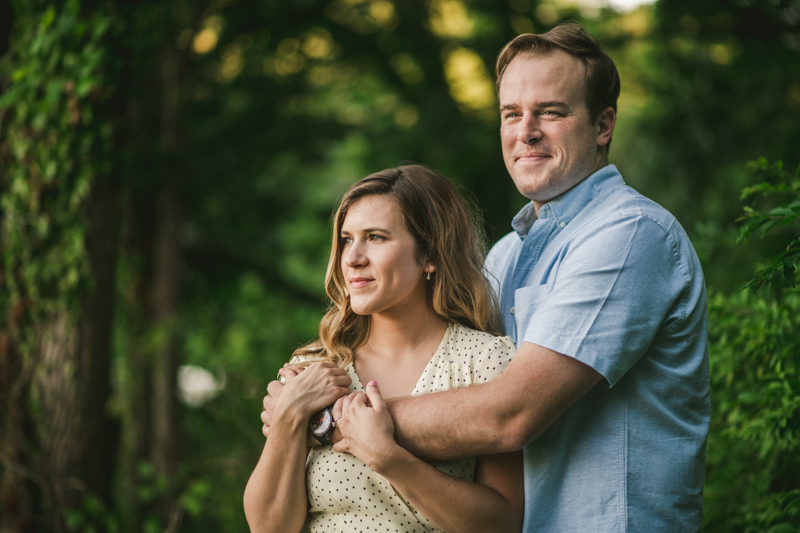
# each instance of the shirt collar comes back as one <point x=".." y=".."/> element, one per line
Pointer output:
<point x="565" y="207"/>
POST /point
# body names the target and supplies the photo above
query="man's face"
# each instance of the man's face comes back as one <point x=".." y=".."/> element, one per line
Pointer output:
<point x="549" y="143"/>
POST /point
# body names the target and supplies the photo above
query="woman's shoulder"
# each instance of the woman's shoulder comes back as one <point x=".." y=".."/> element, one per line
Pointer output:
<point x="479" y="340"/>
<point x="477" y="354"/>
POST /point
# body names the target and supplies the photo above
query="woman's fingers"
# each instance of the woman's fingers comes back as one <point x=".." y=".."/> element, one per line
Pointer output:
<point x="288" y="373"/>
<point x="274" y="389"/>
<point x="375" y="397"/>
<point x="333" y="374"/>
<point x="336" y="412"/>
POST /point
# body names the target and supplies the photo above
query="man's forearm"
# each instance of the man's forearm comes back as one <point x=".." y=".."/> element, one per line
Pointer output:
<point x="452" y="424"/>
<point x="500" y="416"/>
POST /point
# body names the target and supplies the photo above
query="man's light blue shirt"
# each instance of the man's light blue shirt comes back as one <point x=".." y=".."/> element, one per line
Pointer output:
<point x="609" y="277"/>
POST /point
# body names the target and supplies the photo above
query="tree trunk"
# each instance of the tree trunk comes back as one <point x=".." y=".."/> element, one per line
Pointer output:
<point x="59" y="223"/>
<point x="72" y="380"/>
<point x="164" y="301"/>
<point x="16" y="478"/>
<point x="165" y="293"/>
<point x="101" y="430"/>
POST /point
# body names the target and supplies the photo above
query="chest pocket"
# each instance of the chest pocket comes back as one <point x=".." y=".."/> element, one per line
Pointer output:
<point x="526" y="301"/>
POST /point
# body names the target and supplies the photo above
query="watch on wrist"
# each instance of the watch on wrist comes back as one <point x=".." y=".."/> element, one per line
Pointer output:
<point x="322" y="425"/>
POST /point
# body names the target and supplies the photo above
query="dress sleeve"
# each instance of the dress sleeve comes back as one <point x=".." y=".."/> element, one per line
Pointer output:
<point x="492" y="359"/>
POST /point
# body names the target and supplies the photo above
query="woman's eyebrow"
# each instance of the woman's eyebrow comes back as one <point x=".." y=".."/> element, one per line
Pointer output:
<point x="366" y="230"/>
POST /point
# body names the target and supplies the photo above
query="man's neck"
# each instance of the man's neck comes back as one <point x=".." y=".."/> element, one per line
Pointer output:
<point x="602" y="161"/>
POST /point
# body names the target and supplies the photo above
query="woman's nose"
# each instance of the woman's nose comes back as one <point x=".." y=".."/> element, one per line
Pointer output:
<point x="354" y="255"/>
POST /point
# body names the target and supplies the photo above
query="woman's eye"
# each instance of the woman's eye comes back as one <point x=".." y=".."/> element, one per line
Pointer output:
<point x="374" y="237"/>
<point x="347" y="240"/>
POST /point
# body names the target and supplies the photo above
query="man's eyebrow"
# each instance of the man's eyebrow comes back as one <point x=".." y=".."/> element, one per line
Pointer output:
<point x="553" y="103"/>
<point x="539" y="105"/>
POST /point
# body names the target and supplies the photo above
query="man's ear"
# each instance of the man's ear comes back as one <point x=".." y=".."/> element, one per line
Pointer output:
<point x="605" y="123"/>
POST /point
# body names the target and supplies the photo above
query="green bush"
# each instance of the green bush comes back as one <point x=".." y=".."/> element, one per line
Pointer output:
<point x="753" y="453"/>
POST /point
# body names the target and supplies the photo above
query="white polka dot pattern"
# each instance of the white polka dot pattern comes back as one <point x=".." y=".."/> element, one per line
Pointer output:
<point x="345" y="495"/>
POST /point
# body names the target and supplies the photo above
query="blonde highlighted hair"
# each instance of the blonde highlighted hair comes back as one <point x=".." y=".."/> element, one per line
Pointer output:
<point x="445" y="234"/>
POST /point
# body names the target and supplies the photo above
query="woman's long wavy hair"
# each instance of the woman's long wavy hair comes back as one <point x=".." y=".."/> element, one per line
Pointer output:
<point x="445" y="234"/>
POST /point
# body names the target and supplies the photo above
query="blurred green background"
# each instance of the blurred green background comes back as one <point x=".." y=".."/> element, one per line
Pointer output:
<point x="168" y="171"/>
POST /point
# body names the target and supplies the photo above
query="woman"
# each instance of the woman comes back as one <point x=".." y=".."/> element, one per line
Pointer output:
<point x="410" y="308"/>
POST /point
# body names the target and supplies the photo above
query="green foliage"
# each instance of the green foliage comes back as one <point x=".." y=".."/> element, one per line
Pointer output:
<point x="92" y="517"/>
<point x="290" y="102"/>
<point x="776" y="182"/>
<point x="753" y="451"/>
<point x="49" y="145"/>
<point x="713" y="85"/>
<point x="246" y="334"/>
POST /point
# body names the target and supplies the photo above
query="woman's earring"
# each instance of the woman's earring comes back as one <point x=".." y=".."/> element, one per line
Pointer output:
<point x="429" y="276"/>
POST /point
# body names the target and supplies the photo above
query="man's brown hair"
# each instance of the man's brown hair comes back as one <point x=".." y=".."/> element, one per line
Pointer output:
<point x="602" y="78"/>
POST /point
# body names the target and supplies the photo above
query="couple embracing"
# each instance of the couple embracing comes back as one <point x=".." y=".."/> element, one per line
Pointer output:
<point x="590" y="414"/>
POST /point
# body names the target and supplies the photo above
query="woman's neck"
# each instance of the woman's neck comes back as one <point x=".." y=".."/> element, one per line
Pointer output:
<point x="406" y="337"/>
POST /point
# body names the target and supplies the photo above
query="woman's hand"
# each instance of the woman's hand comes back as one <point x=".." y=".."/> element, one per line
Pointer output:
<point x="367" y="427"/>
<point x="310" y="390"/>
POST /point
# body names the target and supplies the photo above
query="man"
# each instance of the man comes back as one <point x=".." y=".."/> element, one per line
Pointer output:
<point x="603" y="293"/>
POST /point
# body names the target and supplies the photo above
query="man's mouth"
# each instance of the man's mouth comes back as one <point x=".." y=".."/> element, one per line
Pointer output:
<point x="532" y="157"/>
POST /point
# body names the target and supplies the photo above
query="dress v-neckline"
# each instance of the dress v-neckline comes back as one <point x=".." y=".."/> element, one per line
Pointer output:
<point x="437" y="354"/>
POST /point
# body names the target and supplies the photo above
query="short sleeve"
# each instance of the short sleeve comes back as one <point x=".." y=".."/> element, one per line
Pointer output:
<point x="490" y="361"/>
<point x="616" y="285"/>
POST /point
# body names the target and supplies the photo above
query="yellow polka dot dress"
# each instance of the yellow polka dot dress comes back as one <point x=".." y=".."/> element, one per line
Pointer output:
<point x="344" y="495"/>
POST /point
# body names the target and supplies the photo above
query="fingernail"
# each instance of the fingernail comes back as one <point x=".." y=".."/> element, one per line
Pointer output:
<point x="373" y="383"/>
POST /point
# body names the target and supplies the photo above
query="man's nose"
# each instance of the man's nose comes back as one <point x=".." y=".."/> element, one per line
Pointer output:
<point x="528" y="129"/>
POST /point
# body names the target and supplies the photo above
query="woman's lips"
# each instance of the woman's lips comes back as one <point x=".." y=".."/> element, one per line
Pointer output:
<point x="357" y="283"/>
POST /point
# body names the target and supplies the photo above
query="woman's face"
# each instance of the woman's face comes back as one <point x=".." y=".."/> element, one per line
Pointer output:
<point x="379" y="260"/>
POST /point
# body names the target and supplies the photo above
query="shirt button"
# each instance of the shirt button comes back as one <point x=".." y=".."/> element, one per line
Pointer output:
<point x="512" y="310"/>
<point x="563" y="225"/>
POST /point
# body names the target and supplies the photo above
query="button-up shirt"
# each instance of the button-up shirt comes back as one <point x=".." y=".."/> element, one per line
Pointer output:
<point x="609" y="277"/>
